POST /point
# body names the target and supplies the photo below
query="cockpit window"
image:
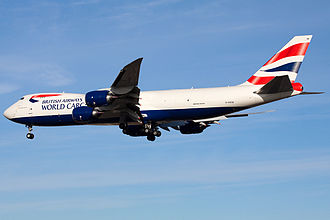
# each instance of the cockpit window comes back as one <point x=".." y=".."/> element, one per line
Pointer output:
<point x="22" y="98"/>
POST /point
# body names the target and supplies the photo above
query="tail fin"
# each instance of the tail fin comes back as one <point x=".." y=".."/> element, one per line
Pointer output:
<point x="287" y="61"/>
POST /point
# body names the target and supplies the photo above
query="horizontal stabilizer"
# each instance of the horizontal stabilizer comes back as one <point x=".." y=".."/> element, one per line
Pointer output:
<point x="277" y="85"/>
<point x="311" y="93"/>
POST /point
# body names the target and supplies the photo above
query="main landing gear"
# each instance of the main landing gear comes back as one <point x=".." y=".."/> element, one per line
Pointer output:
<point x="151" y="131"/>
<point x="29" y="135"/>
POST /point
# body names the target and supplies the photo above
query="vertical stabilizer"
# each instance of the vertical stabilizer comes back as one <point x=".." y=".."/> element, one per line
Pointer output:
<point x="287" y="61"/>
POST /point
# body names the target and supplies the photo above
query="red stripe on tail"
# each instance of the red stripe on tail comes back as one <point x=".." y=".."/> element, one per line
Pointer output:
<point x="294" y="50"/>
<point x="260" y="80"/>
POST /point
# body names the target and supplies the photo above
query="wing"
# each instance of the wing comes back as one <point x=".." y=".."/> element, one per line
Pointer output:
<point x="203" y="123"/>
<point x="127" y="79"/>
<point x="216" y="120"/>
<point x="124" y="95"/>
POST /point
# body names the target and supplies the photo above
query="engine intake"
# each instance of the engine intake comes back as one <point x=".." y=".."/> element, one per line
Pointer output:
<point x="97" y="98"/>
<point x="84" y="114"/>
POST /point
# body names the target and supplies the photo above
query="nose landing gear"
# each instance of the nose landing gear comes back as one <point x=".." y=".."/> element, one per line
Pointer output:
<point x="29" y="135"/>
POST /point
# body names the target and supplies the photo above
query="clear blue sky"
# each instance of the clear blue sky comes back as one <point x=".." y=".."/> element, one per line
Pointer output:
<point x="270" y="166"/>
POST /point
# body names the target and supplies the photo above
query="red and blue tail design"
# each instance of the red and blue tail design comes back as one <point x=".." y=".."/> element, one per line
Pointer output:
<point x="287" y="61"/>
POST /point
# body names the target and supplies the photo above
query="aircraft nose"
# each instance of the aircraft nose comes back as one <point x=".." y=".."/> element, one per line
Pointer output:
<point x="9" y="113"/>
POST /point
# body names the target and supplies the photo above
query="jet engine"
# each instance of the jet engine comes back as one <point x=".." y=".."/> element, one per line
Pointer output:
<point x="193" y="128"/>
<point x="138" y="130"/>
<point x="97" y="98"/>
<point x="135" y="130"/>
<point x="84" y="114"/>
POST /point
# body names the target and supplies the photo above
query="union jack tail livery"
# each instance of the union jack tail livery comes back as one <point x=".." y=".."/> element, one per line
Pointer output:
<point x="287" y="61"/>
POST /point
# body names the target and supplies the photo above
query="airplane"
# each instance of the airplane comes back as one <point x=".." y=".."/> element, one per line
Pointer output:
<point x="190" y="111"/>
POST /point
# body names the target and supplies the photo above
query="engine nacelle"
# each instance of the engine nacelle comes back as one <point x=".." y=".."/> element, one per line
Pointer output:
<point x="97" y="98"/>
<point x="193" y="128"/>
<point x="135" y="130"/>
<point x="84" y="114"/>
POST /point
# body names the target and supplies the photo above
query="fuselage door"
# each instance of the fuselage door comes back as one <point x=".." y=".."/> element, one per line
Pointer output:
<point x="30" y="111"/>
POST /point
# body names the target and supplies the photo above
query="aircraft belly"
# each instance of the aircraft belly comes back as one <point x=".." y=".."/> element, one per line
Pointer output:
<point x="46" y="120"/>
<point x="188" y="113"/>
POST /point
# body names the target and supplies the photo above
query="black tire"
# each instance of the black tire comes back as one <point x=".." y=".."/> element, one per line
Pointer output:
<point x="30" y="135"/>
<point x="151" y="137"/>
<point x="122" y="125"/>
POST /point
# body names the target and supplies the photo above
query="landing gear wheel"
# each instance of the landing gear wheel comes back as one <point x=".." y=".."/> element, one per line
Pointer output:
<point x="30" y="136"/>
<point x="158" y="134"/>
<point x="122" y="125"/>
<point x="151" y="137"/>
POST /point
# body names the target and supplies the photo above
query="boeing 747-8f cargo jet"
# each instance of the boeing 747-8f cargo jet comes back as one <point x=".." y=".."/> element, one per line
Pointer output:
<point x="142" y="113"/>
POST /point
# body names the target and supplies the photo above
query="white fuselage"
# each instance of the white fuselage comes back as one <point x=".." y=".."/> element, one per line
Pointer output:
<point x="166" y="105"/>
